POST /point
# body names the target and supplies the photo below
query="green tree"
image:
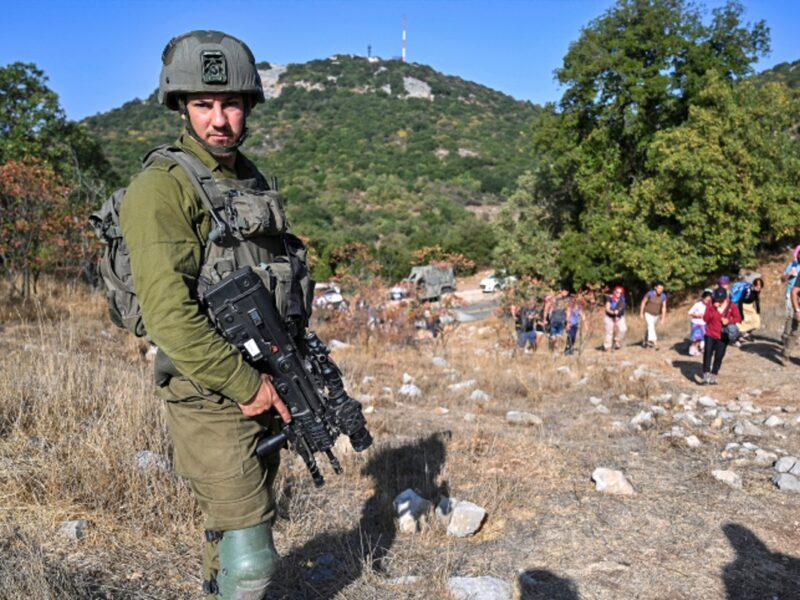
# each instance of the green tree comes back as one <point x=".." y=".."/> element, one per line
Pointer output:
<point x="525" y="246"/>
<point x="635" y="75"/>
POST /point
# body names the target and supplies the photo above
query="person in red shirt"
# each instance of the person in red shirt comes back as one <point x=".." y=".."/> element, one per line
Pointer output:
<point x="719" y="313"/>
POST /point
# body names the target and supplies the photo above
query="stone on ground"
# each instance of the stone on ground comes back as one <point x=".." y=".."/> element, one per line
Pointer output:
<point x="728" y="477"/>
<point x="466" y="519"/>
<point x="74" y="530"/>
<point x="787" y="482"/>
<point x="412" y="511"/>
<point x="479" y="588"/>
<point x="523" y="418"/>
<point x="610" y="481"/>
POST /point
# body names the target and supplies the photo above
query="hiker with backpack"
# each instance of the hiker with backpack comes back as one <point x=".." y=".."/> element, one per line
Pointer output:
<point x="198" y="211"/>
<point x="575" y="319"/>
<point x="697" y="329"/>
<point x="721" y="317"/>
<point x="790" y="325"/>
<point x="525" y="322"/>
<point x="555" y="315"/>
<point x="653" y="308"/>
<point x="614" y="319"/>
<point x="747" y="296"/>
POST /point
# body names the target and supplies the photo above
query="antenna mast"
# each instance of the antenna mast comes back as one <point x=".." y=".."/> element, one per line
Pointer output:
<point x="404" y="39"/>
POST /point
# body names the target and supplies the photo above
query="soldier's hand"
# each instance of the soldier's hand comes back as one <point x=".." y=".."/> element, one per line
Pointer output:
<point x="265" y="398"/>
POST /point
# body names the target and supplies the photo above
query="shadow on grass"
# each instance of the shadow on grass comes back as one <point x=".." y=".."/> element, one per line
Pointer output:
<point x="756" y="572"/>
<point x="544" y="585"/>
<point x="689" y="368"/>
<point x="329" y="562"/>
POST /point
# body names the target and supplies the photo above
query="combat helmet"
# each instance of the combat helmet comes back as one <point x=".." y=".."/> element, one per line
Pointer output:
<point x="207" y="61"/>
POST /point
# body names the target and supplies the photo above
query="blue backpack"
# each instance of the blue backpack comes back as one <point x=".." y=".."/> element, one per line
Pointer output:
<point x="738" y="289"/>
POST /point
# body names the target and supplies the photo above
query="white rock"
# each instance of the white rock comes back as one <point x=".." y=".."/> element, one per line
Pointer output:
<point x="795" y="470"/>
<point x="74" y="530"/>
<point x="461" y="385"/>
<point x="733" y="406"/>
<point x="689" y="417"/>
<point x="565" y="370"/>
<point x="786" y="481"/>
<point x="368" y="410"/>
<point x="728" y="477"/>
<point x="747" y="428"/>
<point x="595" y="400"/>
<point x="479" y="396"/>
<point x="410" y="390"/>
<point x="683" y="398"/>
<point x="658" y="410"/>
<point x="334" y="344"/>
<point x="610" y="481"/>
<point x="765" y="458"/>
<point x="707" y="401"/>
<point x="407" y="378"/>
<point x="523" y="418"/>
<point x="603" y="410"/>
<point x="583" y="381"/>
<point x="750" y="446"/>
<point x="469" y="417"/>
<point x="710" y="412"/>
<point x="404" y="580"/>
<point x="643" y="418"/>
<point x="785" y="463"/>
<point x="640" y="372"/>
<point x="147" y="460"/>
<point x="624" y="398"/>
<point x="773" y="421"/>
<point x="756" y="392"/>
<point x="412" y="511"/>
<point x="466" y="519"/>
<point x="479" y="588"/>
<point x="732" y="445"/>
<point x="439" y="361"/>
<point x="724" y="414"/>
<point x="693" y="442"/>
<point x="625" y="364"/>
<point x="365" y="398"/>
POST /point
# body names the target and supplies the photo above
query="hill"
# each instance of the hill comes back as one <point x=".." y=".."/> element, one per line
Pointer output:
<point x="387" y="153"/>
<point x="785" y="72"/>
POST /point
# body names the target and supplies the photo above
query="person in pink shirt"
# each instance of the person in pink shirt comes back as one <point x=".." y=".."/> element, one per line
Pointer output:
<point x="719" y="313"/>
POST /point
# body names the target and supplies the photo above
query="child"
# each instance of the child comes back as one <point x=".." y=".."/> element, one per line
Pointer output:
<point x="614" y="319"/>
<point x="719" y="313"/>
<point x="697" y="330"/>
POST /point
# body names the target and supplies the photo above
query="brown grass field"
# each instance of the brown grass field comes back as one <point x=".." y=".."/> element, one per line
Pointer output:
<point x="77" y="405"/>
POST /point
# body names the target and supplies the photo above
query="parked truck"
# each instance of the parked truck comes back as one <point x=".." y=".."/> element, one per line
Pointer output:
<point x="431" y="281"/>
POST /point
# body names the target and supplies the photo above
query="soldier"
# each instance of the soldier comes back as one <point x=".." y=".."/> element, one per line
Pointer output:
<point x="216" y="404"/>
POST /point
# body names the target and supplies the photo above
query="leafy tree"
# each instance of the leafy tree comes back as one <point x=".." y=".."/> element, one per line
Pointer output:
<point x="633" y="79"/>
<point x="37" y="229"/>
<point x="525" y="246"/>
<point x="32" y="124"/>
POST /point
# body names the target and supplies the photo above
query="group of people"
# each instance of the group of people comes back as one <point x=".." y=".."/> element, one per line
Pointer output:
<point x="557" y="317"/>
<point x="727" y="314"/>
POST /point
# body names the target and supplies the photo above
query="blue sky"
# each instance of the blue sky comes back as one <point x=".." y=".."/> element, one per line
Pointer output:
<point x="99" y="54"/>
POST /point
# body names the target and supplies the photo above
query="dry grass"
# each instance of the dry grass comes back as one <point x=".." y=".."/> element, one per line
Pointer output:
<point x="76" y="405"/>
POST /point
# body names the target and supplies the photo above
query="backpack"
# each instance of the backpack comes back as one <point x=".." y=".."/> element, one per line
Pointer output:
<point x="651" y="294"/>
<point x="293" y="289"/>
<point x="738" y="289"/>
<point x="115" y="266"/>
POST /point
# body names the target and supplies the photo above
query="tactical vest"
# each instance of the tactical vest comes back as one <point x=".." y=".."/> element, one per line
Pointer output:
<point x="249" y="228"/>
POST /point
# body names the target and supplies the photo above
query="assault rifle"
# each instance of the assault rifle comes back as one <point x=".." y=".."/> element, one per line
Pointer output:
<point x="304" y="375"/>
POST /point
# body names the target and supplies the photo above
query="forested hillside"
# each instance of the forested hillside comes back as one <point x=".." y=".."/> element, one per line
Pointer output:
<point x="389" y="154"/>
<point x="785" y="72"/>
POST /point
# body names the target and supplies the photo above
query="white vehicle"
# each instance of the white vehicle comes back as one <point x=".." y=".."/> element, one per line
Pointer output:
<point x="331" y="297"/>
<point x="398" y="292"/>
<point x="495" y="283"/>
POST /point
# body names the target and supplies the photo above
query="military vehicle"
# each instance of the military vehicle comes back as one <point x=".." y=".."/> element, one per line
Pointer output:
<point x="431" y="281"/>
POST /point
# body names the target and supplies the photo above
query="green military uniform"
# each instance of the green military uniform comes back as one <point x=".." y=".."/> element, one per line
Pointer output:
<point x="200" y="375"/>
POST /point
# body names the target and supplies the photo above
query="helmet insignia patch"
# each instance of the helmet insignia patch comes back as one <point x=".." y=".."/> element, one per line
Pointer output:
<point x="215" y="69"/>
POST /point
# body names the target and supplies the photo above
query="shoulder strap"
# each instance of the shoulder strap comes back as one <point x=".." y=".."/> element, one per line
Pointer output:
<point x="200" y="176"/>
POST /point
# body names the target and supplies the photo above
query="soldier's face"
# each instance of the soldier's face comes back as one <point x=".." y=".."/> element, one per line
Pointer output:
<point x="218" y="119"/>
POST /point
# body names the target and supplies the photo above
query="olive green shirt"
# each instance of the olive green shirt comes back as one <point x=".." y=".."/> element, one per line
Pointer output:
<point x="165" y="226"/>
